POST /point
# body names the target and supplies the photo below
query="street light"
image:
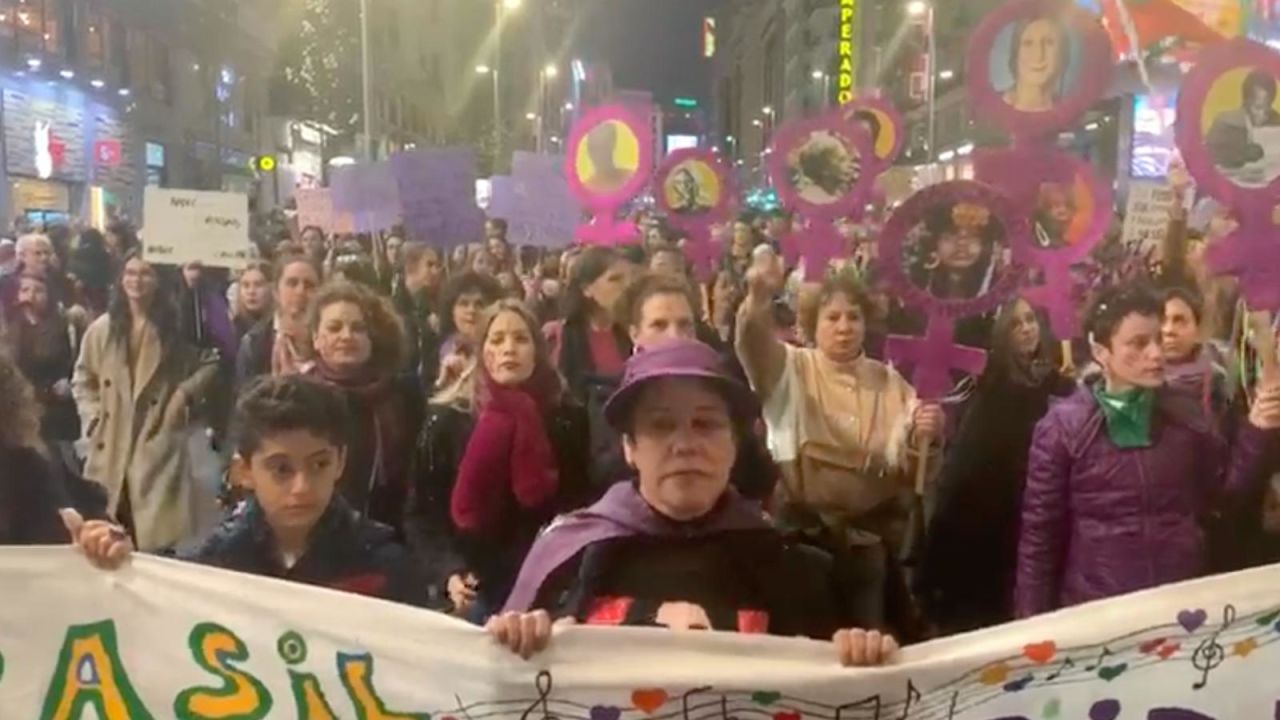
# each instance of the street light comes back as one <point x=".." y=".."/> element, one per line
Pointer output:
<point x="550" y="70"/>
<point x="921" y="10"/>
<point x="825" y="79"/>
<point x="482" y="70"/>
<point x="511" y="4"/>
<point x="530" y="116"/>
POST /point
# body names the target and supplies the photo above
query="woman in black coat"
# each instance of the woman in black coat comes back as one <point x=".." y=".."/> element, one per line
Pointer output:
<point x="503" y="450"/>
<point x="967" y="576"/>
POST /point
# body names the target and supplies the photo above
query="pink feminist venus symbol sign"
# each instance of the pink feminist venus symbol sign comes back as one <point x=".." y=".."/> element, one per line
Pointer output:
<point x="1071" y="207"/>
<point x="1239" y="166"/>
<point x="957" y="207"/>
<point x="823" y="167"/>
<point x="693" y="190"/>
<point x="609" y="159"/>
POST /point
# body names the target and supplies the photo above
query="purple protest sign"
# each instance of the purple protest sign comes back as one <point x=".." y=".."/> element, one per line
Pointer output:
<point x="694" y="190"/>
<point x="610" y="159"/>
<point x="368" y="193"/>
<point x="542" y="210"/>
<point x="1031" y="92"/>
<point x="1070" y="208"/>
<point x="437" y="193"/>
<point x="1231" y="145"/>
<point x="943" y="252"/>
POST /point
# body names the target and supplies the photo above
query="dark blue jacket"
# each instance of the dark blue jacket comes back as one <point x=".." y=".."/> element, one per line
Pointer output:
<point x="346" y="552"/>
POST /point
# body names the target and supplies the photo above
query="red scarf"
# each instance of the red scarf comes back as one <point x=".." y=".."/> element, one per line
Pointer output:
<point x="508" y="457"/>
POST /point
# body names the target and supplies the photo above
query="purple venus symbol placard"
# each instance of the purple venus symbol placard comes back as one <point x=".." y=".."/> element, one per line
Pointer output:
<point x="961" y="206"/>
<point x="1241" y="170"/>
<point x="609" y="160"/>
<point x="1049" y="185"/>
<point x="693" y="189"/>
<point x="824" y="168"/>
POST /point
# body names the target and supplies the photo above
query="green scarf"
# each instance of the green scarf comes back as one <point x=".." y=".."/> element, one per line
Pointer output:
<point x="1128" y="415"/>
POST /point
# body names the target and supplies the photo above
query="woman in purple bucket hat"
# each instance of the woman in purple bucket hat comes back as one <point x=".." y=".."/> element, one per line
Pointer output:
<point x="678" y="547"/>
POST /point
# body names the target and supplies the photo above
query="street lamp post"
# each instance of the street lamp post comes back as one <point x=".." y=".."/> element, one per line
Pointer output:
<point x="498" y="7"/>
<point x="920" y="9"/>
<point x="545" y="77"/>
<point x="366" y="91"/>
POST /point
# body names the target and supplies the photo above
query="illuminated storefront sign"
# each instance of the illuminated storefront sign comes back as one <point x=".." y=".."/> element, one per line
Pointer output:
<point x="847" y="72"/>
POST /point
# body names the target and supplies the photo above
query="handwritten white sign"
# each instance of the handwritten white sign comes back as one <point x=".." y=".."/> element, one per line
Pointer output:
<point x="189" y="226"/>
<point x="163" y="639"/>
<point x="1146" y="217"/>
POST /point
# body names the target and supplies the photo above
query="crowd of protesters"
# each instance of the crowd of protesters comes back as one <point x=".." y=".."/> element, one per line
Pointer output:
<point x="518" y="436"/>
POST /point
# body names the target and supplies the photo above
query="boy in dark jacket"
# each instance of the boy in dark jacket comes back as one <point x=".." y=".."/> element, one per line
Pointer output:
<point x="291" y="453"/>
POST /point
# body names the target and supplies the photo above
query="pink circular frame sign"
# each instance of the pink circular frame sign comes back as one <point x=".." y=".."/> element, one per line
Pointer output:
<point x="1087" y="58"/>
<point x="914" y="211"/>
<point x="714" y="213"/>
<point x="1214" y="62"/>
<point x="608" y="202"/>
<point x="852" y="140"/>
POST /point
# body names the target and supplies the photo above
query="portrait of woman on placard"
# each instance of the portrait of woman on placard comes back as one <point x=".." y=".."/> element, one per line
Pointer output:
<point x="956" y="253"/>
<point x="824" y="168"/>
<point x="1055" y="216"/>
<point x="600" y="147"/>
<point x="686" y="193"/>
<point x="1039" y="57"/>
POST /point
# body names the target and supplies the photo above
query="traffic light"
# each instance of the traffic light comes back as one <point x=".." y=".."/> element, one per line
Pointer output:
<point x="264" y="163"/>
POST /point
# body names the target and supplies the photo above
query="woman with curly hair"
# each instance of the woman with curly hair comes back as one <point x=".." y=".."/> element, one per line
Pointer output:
<point x="359" y="348"/>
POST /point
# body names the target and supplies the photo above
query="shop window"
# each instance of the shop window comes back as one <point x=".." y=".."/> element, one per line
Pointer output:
<point x="37" y="25"/>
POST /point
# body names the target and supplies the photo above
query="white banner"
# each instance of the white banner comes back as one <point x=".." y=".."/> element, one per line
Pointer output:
<point x="187" y="226"/>
<point x="161" y="639"/>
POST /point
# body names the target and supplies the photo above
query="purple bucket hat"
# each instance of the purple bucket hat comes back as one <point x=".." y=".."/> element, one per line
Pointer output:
<point x="678" y="359"/>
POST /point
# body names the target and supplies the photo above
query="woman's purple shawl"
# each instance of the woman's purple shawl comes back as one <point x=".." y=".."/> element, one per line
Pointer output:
<point x="622" y="512"/>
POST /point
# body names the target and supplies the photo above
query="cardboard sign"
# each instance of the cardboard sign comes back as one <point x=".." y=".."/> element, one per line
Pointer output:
<point x="189" y="226"/>
<point x="437" y="191"/>
<point x="1146" y="217"/>
<point x="209" y="643"/>
<point x="368" y="193"/>
<point x="536" y="201"/>
<point x="315" y="209"/>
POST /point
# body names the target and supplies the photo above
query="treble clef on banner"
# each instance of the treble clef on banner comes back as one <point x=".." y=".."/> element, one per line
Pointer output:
<point x="543" y="684"/>
<point x="1210" y="654"/>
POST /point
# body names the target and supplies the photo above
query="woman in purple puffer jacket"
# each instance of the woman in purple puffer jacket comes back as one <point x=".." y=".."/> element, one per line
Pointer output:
<point x="1123" y="473"/>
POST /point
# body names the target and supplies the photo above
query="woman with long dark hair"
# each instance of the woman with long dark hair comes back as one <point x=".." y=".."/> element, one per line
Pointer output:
<point x="136" y="383"/>
<point x="499" y="455"/>
<point x="590" y="347"/>
<point x="971" y="555"/>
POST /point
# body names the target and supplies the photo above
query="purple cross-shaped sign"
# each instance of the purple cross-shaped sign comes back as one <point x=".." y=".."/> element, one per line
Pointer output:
<point x="934" y="356"/>
<point x="1021" y="173"/>
<point x="817" y="244"/>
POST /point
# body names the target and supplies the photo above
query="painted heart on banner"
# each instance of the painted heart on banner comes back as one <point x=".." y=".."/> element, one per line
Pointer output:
<point x="605" y="712"/>
<point x="649" y="700"/>
<point x="1041" y="653"/>
<point x="1192" y="620"/>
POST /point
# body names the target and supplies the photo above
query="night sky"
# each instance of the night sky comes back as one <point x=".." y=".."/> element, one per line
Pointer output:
<point x="651" y="45"/>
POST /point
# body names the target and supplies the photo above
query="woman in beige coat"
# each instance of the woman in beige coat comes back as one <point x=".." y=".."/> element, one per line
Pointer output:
<point x="135" y="384"/>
